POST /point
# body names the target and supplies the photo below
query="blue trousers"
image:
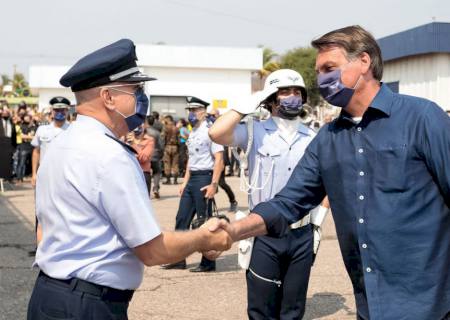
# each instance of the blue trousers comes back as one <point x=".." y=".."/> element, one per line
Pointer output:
<point x="53" y="301"/>
<point x="193" y="202"/>
<point x="288" y="261"/>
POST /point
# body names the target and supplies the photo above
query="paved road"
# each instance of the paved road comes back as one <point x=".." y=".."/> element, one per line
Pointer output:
<point x="169" y="294"/>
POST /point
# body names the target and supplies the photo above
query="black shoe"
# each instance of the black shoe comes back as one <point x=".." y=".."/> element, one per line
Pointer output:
<point x="201" y="268"/>
<point x="156" y="195"/>
<point x="233" y="206"/>
<point x="177" y="265"/>
<point x="175" y="181"/>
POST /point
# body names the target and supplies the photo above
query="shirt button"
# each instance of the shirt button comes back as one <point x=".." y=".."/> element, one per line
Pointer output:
<point x="289" y="169"/>
<point x="361" y="197"/>
<point x="359" y="128"/>
<point x="360" y="150"/>
<point x="368" y="270"/>
<point x="361" y="220"/>
<point x="364" y="246"/>
<point x="361" y="173"/>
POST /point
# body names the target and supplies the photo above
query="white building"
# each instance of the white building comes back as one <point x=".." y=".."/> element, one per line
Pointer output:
<point x="221" y="76"/>
<point x="417" y="62"/>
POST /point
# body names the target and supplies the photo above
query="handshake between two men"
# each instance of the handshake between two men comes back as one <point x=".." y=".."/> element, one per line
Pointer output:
<point x="214" y="237"/>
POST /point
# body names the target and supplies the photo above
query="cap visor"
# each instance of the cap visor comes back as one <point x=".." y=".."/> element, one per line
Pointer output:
<point x="136" y="77"/>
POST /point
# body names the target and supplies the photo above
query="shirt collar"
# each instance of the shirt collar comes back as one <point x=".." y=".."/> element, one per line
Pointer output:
<point x="94" y="124"/>
<point x="270" y="125"/>
<point x="382" y="102"/>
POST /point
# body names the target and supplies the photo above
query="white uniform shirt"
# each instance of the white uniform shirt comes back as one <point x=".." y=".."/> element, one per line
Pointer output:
<point x="93" y="206"/>
<point x="201" y="148"/>
<point x="45" y="134"/>
<point x="272" y="158"/>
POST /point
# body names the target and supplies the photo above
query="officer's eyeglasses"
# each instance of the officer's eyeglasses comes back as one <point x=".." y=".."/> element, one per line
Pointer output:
<point x="140" y="86"/>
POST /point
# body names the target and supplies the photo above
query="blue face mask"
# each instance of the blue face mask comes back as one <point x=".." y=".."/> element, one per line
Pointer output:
<point x="141" y="107"/>
<point x="60" y="116"/>
<point x="290" y="107"/>
<point x="210" y="118"/>
<point x="333" y="90"/>
<point x="192" y="118"/>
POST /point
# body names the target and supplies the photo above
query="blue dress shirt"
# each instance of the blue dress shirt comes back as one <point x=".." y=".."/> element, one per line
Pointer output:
<point x="388" y="182"/>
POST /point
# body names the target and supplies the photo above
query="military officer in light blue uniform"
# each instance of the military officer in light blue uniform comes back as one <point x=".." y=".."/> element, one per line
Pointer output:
<point x="278" y="274"/>
<point x="200" y="182"/>
<point x="98" y="225"/>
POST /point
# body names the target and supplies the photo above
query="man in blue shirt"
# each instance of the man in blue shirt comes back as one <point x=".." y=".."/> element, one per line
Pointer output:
<point x="384" y="163"/>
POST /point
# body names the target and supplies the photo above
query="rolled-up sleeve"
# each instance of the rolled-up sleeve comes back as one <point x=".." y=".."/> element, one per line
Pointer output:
<point x="240" y="136"/>
<point x="302" y="193"/>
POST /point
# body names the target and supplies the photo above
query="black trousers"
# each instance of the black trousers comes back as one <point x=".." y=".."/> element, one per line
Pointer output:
<point x="287" y="260"/>
<point x="51" y="300"/>
<point x="193" y="202"/>
<point x="223" y="184"/>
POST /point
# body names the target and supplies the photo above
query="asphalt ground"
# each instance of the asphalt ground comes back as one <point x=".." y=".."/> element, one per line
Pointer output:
<point x="169" y="294"/>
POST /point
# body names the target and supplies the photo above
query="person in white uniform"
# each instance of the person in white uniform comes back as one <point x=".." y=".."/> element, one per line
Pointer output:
<point x="278" y="274"/>
<point x="200" y="182"/>
<point x="99" y="228"/>
<point x="46" y="133"/>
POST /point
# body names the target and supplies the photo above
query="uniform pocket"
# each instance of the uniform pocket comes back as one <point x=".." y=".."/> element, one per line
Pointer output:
<point x="390" y="167"/>
<point x="267" y="157"/>
<point x="50" y="313"/>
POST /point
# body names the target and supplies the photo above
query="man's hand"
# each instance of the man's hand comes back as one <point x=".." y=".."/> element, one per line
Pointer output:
<point x="218" y="239"/>
<point x="181" y="190"/>
<point x="211" y="190"/>
<point x="33" y="181"/>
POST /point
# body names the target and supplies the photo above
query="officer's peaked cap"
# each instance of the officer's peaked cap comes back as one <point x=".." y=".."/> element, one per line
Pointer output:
<point x="194" y="102"/>
<point x="113" y="63"/>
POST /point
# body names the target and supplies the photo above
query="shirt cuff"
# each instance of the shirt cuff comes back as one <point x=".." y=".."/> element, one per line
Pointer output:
<point x="276" y="224"/>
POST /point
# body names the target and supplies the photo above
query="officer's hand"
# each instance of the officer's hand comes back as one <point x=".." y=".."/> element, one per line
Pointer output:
<point x="218" y="239"/>
<point x="181" y="190"/>
<point x="33" y="181"/>
<point x="210" y="189"/>
<point x="249" y="104"/>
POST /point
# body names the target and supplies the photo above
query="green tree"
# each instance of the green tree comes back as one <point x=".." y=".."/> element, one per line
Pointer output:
<point x="5" y="81"/>
<point x="303" y="60"/>
<point x="270" y="64"/>
<point x="20" y="85"/>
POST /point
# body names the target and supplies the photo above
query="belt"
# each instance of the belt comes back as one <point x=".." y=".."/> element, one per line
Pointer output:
<point x="201" y="173"/>
<point x="105" y="293"/>
<point x="301" y="223"/>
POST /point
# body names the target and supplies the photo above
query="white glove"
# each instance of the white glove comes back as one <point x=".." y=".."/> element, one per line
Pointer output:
<point x="318" y="215"/>
<point x="317" y="236"/>
<point x="249" y="104"/>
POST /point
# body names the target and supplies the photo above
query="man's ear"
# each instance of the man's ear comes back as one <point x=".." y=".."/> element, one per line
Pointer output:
<point x="108" y="99"/>
<point x="365" y="61"/>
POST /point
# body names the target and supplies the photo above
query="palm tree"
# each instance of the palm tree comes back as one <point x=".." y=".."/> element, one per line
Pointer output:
<point x="270" y="64"/>
<point x="20" y="85"/>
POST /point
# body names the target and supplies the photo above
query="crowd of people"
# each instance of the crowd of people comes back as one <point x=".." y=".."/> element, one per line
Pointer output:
<point x="168" y="153"/>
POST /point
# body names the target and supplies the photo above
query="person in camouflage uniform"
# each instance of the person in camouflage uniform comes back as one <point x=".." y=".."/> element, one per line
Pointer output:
<point x="171" y="150"/>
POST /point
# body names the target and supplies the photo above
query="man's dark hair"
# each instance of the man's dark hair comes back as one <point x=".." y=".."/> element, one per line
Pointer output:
<point x="150" y="120"/>
<point x="155" y="114"/>
<point x="354" y="40"/>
